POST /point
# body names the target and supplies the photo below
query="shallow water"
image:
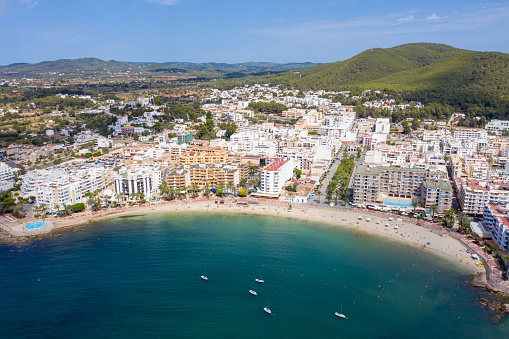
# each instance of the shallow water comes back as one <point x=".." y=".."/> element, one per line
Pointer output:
<point x="140" y="277"/>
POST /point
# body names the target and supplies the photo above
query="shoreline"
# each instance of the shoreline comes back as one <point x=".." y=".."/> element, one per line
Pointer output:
<point x="431" y="238"/>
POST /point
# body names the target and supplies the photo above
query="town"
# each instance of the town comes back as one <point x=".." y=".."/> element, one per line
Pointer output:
<point x="261" y="141"/>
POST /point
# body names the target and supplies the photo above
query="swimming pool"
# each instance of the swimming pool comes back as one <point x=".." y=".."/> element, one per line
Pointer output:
<point x="35" y="225"/>
<point x="397" y="202"/>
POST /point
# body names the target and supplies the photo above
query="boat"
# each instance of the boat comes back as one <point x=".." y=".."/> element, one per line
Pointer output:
<point x="260" y="280"/>
<point x="204" y="277"/>
<point x="267" y="309"/>
<point x="253" y="292"/>
<point x="340" y="315"/>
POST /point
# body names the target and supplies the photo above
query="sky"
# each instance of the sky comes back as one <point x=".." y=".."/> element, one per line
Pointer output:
<point x="236" y="31"/>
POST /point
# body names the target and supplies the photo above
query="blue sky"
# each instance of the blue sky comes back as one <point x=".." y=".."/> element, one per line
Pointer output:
<point x="241" y="30"/>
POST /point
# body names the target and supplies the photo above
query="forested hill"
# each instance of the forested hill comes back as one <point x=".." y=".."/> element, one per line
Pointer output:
<point x="424" y="72"/>
<point x="98" y="67"/>
<point x="370" y="65"/>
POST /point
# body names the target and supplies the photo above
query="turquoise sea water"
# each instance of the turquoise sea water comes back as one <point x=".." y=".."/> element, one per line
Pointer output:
<point x="140" y="277"/>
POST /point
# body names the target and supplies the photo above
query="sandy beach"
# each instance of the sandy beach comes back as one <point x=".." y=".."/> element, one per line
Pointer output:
<point x="430" y="238"/>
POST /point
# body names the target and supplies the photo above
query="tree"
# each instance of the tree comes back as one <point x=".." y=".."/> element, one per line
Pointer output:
<point x="242" y="193"/>
<point x="231" y="129"/>
<point x="78" y="207"/>
<point x="297" y="172"/>
<point x="433" y="209"/>
<point x="416" y="124"/>
<point x="406" y="127"/>
<point x="415" y="204"/>
<point x="463" y="221"/>
<point x="219" y="192"/>
<point x="337" y="194"/>
<point x="163" y="188"/>
<point x="319" y="193"/>
<point x="449" y="218"/>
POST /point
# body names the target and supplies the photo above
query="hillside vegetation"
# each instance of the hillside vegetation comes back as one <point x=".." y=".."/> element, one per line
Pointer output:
<point x="425" y="72"/>
<point x="93" y="66"/>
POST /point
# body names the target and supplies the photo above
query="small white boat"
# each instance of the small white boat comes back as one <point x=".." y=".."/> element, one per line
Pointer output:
<point x="267" y="309"/>
<point x="260" y="280"/>
<point x="204" y="277"/>
<point x="340" y="315"/>
<point x="253" y="292"/>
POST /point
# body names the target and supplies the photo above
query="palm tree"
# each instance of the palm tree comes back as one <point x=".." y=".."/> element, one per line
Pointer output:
<point x="195" y="189"/>
<point x="337" y="193"/>
<point x="319" y="193"/>
<point x="433" y="209"/>
<point x="42" y="207"/>
<point x="449" y="217"/>
<point x="463" y="220"/>
<point x="415" y="204"/>
<point x="171" y="193"/>
<point x="163" y="188"/>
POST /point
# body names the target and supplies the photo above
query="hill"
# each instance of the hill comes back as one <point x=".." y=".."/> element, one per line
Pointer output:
<point x="423" y="72"/>
<point x="64" y="66"/>
<point x="370" y="65"/>
<point x="93" y="66"/>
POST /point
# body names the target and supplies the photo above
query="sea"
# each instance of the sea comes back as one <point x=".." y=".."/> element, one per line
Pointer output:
<point x="139" y="277"/>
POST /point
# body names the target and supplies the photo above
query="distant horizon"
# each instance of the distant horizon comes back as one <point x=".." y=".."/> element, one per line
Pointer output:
<point x="222" y="62"/>
<point x="318" y="31"/>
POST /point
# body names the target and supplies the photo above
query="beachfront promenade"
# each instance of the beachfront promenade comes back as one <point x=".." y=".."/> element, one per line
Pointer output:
<point x="494" y="275"/>
<point x="418" y="235"/>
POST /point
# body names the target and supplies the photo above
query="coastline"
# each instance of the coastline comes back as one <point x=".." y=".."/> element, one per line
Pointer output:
<point x="430" y="237"/>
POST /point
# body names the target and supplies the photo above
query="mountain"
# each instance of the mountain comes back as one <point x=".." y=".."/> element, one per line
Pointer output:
<point x="371" y="65"/>
<point x="93" y="66"/>
<point x="66" y="66"/>
<point x="474" y="82"/>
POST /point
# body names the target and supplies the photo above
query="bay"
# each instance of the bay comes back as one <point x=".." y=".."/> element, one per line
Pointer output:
<point x="140" y="277"/>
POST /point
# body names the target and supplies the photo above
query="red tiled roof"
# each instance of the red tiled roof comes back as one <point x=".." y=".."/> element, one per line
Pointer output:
<point x="276" y="164"/>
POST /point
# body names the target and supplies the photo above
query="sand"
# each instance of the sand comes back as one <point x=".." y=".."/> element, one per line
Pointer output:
<point x="431" y="238"/>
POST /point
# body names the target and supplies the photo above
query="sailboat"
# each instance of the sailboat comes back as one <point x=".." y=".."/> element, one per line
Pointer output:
<point x="253" y="292"/>
<point x="260" y="280"/>
<point x="267" y="309"/>
<point x="204" y="277"/>
<point x="340" y="315"/>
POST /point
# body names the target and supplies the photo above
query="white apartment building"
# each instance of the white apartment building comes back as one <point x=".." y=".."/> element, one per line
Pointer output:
<point x="336" y="125"/>
<point x="473" y="195"/>
<point x="497" y="125"/>
<point x="6" y="173"/>
<point x="496" y="219"/>
<point x="135" y="179"/>
<point x="274" y="175"/>
<point x="59" y="187"/>
<point x="474" y="134"/>
<point x="382" y="125"/>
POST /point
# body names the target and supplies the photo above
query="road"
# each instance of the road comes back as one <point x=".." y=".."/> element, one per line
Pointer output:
<point x="325" y="182"/>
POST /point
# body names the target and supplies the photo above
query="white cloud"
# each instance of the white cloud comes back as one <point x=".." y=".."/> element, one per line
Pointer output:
<point x="434" y="16"/>
<point x="163" y="2"/>
<point x="393" y="26"/>
<point x="408" y="18"/>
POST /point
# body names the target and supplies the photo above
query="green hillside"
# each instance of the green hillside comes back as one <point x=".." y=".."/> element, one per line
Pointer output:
<point x="486" y="71"/>
<point x="370" y="65"/>
<point x="67" y="66"/>
<point x="93" y="66"/>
